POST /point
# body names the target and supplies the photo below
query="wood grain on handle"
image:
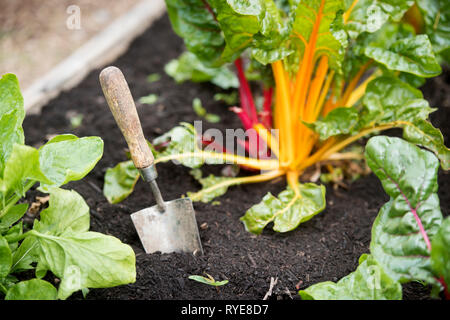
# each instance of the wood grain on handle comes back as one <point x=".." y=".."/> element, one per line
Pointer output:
<point x="121" y="103"/>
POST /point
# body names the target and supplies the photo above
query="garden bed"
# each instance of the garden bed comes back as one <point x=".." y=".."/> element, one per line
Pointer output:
<point x="324" y="248"/>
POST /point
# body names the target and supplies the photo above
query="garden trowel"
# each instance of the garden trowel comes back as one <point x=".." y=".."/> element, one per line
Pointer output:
<point x="169" y="226"/>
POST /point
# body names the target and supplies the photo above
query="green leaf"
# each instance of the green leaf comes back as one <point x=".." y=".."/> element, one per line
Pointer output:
<point x="12" y="114"/>
<point x="22" y="164"/>
<point x="389" y="99"/>
<point x="189" y="67"/>
<point x="423" y="133"/>
<point x="440" y="253"/>
<point x="368" y="282"/>
<point x="69" y="160"/>
<point x="12" y="216"/>
<point x="338" y="121"/>
<point x="193" y="21"/>
<point x="331" y="39"/>
<point x="66" y="209"/>
<point x="436" y="14"/>
<point x="86" y="260"/>
<point x="198" y="107"/>
<point x="25" y="255"/>
<point x="412" y="55"/>
<point x="371" y="15"/>
<point x="412" y="215"/>
<point x="180" y="139"/>
<point x="5" y="258"/>
<point x="80" y="258"/>
<point x="210" y="187"/>
<point x="209" y="281"/>
<point x="150" y="99"/>
<point x="10" y="133"/>
<point x="287" y="211"/>
<point x="120" y="181"/>
<point x="34" y="289"/>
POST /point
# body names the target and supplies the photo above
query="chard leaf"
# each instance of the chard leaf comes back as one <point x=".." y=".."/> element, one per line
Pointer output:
<point x="12" y="114"/>
<point x="412" y="55"/>
<point x="189" y="67"/>
<point x="68" y="158"/>
<point x="338" y="121"/>
<point x="371" y="15"/>
<point x="331" y="39"/>
<point x="436" y="14"/>
<point x="5" y="258"/>
<point x="368" y="282"/>
<point x="34" y="289"/>
<point x="287" y="211"/>
<point x="423" y="133"/>
<point x="120" y="181"/>
<point x="80" y="258"/>
<point x="194" y="21"/>
<point x="404" y="225"/>
<point x="389" y="99"/>
<point x="22" y="164"/>
<point x="179" y="140"/>
<point x="211" y="187"/>
<point x="440" y="253"/>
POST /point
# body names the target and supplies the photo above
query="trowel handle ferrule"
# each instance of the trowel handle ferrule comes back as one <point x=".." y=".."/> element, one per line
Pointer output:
<point x="121" y="104"/>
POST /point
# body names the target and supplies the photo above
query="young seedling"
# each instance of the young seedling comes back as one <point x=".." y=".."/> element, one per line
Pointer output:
<point x="209" y="280"/>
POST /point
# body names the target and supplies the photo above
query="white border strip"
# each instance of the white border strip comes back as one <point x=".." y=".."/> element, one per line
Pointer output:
<point x="102" y="49"/>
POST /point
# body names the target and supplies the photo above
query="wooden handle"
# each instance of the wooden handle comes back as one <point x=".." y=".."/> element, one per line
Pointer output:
<point x="121" y="103"/>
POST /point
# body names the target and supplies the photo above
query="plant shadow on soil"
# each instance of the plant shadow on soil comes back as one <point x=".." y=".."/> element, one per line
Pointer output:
<point x="325" y="248"/>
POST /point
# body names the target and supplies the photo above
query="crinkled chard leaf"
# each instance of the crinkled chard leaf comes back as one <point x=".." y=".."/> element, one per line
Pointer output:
<point x="331" y="38"/>
<point x="423" y="133"/>
<point x="34" y="289"/>
<point x="188" y="67"/>
<point x="12" y="114"/>
<point x="404" y="225"/>
<point x="338" y="121"/>
<point x="80" y="258"/>
<point x="436" y="14"/>
<point x="368" y="282"/>
<point x="440" y="251"/>
<point x="287" y="211"/>
<point x="389" y="99"/>
<point x="120" y="181"/>
<point x="412" y="55"/>
<point x="68" y="159"/>
<point x="371" y="15"/>
<point x="194" y="21"/>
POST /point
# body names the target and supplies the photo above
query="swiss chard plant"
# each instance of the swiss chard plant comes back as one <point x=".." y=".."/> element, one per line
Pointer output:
<point x="60" y="241"/>
<point x="331" y="72"/>
<point x="410" y="238"/>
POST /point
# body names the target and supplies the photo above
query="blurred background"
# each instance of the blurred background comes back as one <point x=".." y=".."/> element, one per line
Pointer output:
<point x="36" y="35"/>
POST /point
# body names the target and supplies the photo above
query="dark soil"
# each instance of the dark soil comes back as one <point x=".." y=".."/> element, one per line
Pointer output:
<point x="325" y="248"/>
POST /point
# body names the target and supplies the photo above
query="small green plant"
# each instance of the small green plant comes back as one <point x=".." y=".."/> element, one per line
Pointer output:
<point x="209" y="280"/>
<point x="410" y="238"/>
<point x="202" y="113"/>
<point x="149" y="99"/>
<point x="60" y="241"/>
